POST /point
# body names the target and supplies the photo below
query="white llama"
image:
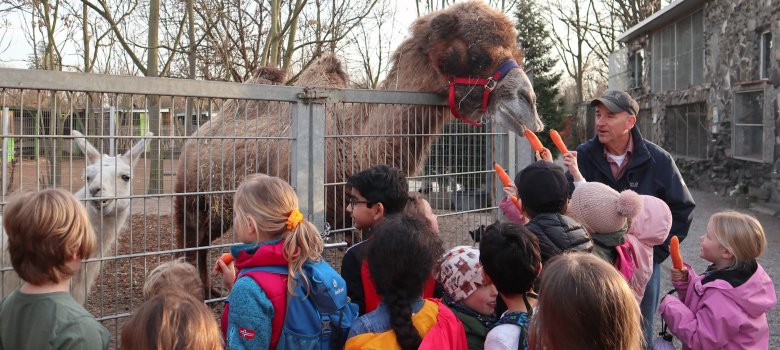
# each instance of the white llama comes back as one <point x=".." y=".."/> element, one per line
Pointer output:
<point x="107" y="190"/>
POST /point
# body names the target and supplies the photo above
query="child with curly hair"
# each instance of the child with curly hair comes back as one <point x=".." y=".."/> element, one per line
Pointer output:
<point x="401" y="257"/>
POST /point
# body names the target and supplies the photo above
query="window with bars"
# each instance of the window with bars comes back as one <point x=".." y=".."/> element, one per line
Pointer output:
<point x="686" y="130"/>
<point x="677" y="60"/>
<point x="636" y="63"/>
<point x="753" y="132"/>
<point x="644" y="121"/>
<point x="766" y="55"/>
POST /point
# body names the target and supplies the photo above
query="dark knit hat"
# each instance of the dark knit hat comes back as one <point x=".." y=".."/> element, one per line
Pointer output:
<point x="542" y="188"/>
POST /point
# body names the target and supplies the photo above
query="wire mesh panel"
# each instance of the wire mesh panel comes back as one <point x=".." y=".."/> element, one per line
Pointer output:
<point x="158" y="160"/>
<point x="446" y="160"/>
<point x="131" y="198"/>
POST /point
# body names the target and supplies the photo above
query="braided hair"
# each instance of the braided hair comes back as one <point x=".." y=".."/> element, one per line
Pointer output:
<point x="401" y="257"/>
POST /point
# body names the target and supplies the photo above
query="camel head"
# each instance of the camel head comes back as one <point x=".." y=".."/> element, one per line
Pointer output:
<point x="470" y="40"/>
<point x="108" y="177"/>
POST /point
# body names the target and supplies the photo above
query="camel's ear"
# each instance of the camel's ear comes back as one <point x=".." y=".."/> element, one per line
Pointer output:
<point x="444" y="26"/>
<point x="132" y="155"/>
<point x="92" y="154"/>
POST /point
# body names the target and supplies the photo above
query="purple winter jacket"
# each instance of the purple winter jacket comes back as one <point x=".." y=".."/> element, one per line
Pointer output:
<point x="716" y="315"/>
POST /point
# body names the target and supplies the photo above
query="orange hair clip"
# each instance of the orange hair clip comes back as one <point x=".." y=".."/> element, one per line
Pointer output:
<point x="294" y="219"/>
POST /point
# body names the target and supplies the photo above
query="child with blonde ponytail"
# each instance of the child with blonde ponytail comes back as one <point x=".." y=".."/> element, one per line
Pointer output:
<point x="273" y="232"/>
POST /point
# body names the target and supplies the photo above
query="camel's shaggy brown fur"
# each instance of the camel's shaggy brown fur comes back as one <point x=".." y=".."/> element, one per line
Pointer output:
<point x="468" y="39"/>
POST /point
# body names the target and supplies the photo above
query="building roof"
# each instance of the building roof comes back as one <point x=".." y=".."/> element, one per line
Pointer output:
<point x="659" y="19"/>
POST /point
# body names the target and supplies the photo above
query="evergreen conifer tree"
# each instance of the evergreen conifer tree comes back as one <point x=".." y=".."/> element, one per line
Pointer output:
<point x="534" y="37"/>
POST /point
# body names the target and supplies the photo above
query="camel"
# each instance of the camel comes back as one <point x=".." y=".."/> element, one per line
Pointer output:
<point x="461" y="43"/>
<point x="107" y="190"/>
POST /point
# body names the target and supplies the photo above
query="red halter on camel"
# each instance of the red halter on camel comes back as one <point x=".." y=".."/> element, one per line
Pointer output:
<point x="489" y="83"/>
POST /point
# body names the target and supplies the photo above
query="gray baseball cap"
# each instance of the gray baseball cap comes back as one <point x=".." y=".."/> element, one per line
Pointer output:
<point x="617" y="101"/>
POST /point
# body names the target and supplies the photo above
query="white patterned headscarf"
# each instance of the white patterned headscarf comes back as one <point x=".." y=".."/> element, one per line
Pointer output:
<point x="460" y="272"/>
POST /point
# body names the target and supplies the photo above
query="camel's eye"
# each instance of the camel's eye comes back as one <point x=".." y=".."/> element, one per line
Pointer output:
<point x="125" y="178"/>
<point x="89" y="178"/>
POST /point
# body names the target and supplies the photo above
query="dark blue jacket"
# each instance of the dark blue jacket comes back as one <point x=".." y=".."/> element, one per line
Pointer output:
<point x="652" y="171"/>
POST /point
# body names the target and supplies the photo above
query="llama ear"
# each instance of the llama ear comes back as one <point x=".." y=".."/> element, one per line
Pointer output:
<point x="132" y="155"/>
<point x="92" y="154"/>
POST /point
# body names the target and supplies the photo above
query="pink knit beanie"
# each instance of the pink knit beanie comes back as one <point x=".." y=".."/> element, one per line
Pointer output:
<point x="460" y="272"/>
<point x="601" y="209"/>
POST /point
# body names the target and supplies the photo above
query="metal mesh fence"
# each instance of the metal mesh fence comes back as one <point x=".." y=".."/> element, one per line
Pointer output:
<point x="207" y="136"/>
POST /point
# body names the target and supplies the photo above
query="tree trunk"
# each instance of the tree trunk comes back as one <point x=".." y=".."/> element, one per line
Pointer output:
<point x="188" y="128"/>
<point x="85" y="34"/>
<point x="153" y="105"/>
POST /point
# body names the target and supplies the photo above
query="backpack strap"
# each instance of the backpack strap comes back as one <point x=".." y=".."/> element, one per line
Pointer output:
<point x="273" y="281"/>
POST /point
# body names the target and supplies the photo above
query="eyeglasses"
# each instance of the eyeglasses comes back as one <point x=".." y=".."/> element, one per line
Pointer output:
<point x="354" y="201"/>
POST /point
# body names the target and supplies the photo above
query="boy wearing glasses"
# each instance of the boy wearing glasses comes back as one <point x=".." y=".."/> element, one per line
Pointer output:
<point x="372" y="194"/>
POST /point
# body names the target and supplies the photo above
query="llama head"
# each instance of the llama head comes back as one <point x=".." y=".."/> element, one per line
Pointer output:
<point x="108" y="179"/>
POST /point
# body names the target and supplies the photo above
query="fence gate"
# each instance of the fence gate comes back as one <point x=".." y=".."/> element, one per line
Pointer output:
<point x="313" y="138"/>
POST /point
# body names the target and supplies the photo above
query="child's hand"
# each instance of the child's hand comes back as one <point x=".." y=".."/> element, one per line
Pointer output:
<point x="570" y="161"/>
<point x="544" y="154"/>
<point x="510" y="190"/>
<point x="680" y="275"/>
<point x="228" y="273"/>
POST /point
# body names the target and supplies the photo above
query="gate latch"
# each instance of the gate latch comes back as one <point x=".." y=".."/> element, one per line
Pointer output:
<point x="310" y="95"/>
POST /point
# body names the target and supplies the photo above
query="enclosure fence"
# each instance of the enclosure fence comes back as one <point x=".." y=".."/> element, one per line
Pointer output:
<point x="209" y="136"/>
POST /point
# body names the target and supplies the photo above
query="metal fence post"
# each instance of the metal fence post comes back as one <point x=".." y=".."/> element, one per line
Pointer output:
<point x="308" y="159"/>
<point x="5" y="128"/>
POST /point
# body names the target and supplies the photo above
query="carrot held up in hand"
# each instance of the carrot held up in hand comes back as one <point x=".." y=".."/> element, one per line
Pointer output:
<point x="536" y="145"/>
<point x="674" y="250"/>
<point x="504" y="177"/>
<point x="556" y="139"/>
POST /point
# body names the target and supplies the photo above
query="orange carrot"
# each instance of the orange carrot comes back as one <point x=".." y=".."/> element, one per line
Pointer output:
<point x="556" y="139"/>
<point x="536" y="145"/>
<point x="517" y="203"/>
<point x="674" y="249"/>
<point x="506" y="181"/>
<point x="227" y="258"/>
<point x="502" y="174"/>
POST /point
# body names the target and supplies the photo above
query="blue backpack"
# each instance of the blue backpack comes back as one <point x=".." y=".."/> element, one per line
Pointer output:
<point x="321" y="319"/>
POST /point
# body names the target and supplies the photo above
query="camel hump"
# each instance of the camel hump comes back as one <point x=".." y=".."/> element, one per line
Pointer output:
<point x="326" y="71"/>
<point x="268" y="75"/>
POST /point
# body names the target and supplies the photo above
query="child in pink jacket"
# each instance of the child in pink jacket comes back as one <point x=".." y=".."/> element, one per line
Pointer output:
<point x="649" y="228"/>
<point x="724" y="308"/>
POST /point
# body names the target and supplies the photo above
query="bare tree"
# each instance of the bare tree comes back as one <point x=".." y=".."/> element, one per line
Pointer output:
<point x="570" y="38"/>
<point x="426" y="6"/>
<point x="612" y="18"/>
<point x="371" y="44"/>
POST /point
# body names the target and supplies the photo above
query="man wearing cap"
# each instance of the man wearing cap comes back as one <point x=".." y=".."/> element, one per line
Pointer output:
<point x="619" y="157"/>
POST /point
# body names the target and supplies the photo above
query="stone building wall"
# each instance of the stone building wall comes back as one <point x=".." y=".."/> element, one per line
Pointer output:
<point x="732" y="38"/>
